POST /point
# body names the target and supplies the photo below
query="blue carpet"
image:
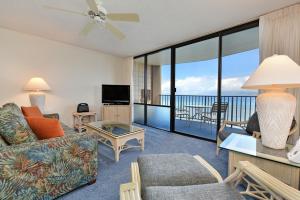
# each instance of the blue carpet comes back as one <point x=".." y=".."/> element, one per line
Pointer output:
<point x="112" y="174"/>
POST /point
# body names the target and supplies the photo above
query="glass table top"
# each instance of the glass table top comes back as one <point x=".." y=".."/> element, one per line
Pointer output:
<point x="114" y="128"/>
<point x="252" y="146"/>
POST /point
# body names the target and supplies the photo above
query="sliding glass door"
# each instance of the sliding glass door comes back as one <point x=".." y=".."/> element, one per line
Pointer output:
<point x="196" y="77"/>
<point x="192" y="87"/>
<point x="152" y="82"/>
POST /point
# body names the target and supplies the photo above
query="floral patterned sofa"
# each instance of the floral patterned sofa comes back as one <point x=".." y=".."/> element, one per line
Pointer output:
<point x="44" y="169"/>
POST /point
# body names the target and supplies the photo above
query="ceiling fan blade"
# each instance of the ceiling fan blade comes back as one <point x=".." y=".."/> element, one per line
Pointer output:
<point x="130" y="17"/>
<point x="87" y="28"/>
<point x="64" y="10"/>
<point x="93" y="5"/>
<point x="115" y="31"/>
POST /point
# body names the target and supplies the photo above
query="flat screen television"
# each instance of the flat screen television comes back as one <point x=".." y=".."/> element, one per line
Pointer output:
<point x="116" y="94"/>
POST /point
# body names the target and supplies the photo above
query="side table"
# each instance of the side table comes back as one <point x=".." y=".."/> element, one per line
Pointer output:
<point x="80" y="119"/>
<point x="274" y="162"/>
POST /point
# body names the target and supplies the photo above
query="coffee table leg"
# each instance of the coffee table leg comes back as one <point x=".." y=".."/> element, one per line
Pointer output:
<point x="117" y="149"/>
<point x="117" y="154"/>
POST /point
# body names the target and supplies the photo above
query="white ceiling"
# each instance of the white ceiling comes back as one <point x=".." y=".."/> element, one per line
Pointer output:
<point x="208" y="49"/>
<point x="163" y="22"/>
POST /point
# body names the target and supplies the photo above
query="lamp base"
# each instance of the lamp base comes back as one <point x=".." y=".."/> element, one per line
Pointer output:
<point x="275" y="111"/>
<point x="38" y="99"/>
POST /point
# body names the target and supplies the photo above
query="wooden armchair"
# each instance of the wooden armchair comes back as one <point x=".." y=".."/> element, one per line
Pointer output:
<point x="257" y="183"/>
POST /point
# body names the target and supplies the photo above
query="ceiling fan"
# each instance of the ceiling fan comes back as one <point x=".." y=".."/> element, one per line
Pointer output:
<point x="98" y="15"/>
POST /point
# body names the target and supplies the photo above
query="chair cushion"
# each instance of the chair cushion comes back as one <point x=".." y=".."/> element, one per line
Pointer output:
<point x="33" y="111"/>
<point x="13" y="127"/>
<point x="214" y="191"/>
<point x="172" y="170"/>
<point x="227" y="131"/>
<point x="45" y="128"/>
<point x="253" y="124"/>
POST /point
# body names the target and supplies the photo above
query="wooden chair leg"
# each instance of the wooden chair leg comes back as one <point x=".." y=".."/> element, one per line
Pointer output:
<point x="218" y="146"/>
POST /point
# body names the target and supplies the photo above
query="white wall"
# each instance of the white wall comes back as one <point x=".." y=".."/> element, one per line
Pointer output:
<point x="74" y="74"/>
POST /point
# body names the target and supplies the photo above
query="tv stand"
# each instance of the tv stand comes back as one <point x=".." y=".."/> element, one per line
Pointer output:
<point x="116" y="113"/>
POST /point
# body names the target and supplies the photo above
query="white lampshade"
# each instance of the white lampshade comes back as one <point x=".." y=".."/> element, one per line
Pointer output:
<point x="37" y="84"/>
<point x="275" y="72"/>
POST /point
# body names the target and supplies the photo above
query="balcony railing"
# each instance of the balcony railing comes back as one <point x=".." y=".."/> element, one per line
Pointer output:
<point x="240" y="108"/>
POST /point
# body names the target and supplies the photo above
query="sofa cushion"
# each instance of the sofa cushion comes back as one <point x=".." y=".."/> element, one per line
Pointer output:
<point x="13" y="127"/>
<point x="14" y="108"/>
<point x="172" y="170"/>
<point x="32" y="111"/>
<point x="215" y="191"/>
<point x="45" y="128"/>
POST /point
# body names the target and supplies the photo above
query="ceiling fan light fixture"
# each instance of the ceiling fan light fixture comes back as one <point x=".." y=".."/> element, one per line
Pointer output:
<point x="100" y="16"/>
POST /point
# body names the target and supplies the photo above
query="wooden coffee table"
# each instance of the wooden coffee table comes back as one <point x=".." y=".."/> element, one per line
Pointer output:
<point x="116" y="135"/>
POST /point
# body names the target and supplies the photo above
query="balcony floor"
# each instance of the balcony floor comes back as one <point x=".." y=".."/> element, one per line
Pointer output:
<point x="196" y="128"/>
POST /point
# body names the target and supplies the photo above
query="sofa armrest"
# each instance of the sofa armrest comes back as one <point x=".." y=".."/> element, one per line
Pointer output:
<point x="48" y="168"/>
<point x="52" y="115"/>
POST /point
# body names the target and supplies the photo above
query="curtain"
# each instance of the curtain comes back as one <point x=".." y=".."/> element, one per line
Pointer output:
<point x="279" y="33"/>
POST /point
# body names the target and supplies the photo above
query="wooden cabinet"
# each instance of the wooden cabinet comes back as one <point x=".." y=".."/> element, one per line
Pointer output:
<point x="117" y="113"/>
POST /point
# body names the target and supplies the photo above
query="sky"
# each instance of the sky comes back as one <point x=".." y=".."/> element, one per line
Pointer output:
<point x="200" y="78"/>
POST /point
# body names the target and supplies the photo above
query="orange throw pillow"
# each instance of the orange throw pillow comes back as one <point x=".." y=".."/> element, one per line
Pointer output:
<point x="33" y="111"/>
<point x="45" y="128"/>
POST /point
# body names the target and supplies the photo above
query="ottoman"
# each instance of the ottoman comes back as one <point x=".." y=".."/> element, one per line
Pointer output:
<point x="173" y="170"/>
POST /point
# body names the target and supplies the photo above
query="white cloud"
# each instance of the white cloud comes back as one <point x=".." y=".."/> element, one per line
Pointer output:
<point x="201" y="85"/>
<point x="233" y="84"/>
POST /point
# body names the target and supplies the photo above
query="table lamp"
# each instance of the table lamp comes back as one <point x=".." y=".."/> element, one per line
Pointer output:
<point x="37" y="97"/>
<point x="275" y="107"/>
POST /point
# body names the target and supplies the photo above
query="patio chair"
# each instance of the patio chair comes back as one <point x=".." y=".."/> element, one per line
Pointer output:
<point x="250" y="127"/>
<point x="247" y="181"/>
<point x="211" y="116"/>
<point x="182" y="113"/>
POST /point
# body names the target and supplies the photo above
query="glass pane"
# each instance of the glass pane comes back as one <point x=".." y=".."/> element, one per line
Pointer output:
<point x="138" y="80"/>
<point x="138" y="113"/>
<point x="158" y="78"/>
<point x="138" y="90"/>
<point x="196" y="88"/>
<point x="114" y="128"/>
<point x="158" y="89"/>
<point x="240" y="58"/>
<point x="158" y="117"/>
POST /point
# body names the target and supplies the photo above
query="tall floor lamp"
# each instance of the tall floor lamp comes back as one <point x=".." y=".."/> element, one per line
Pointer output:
<point x="37" y="98"/>
<point x="275" y="107"/>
